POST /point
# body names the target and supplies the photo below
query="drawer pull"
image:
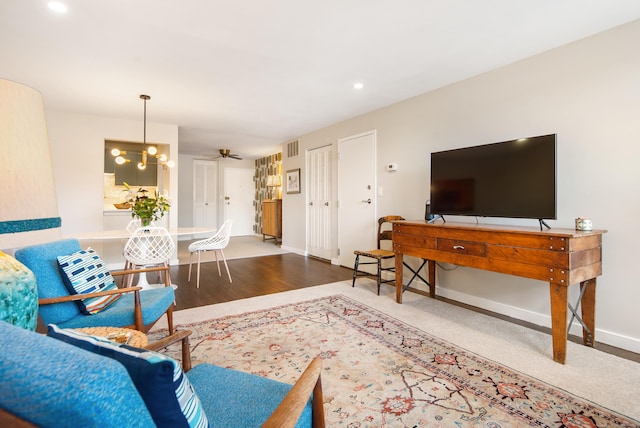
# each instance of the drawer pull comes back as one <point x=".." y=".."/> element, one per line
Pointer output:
<point x="458" y="247"/>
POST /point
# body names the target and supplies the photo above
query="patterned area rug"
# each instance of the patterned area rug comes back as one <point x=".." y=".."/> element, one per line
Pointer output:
<point x="380" y="372"/>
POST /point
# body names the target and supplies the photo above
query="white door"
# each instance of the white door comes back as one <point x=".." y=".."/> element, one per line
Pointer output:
<point x="205" y="185"/>
<point x="239" y="191"/>
<point x="320" y="201"/>
<point x="357" y="224"/>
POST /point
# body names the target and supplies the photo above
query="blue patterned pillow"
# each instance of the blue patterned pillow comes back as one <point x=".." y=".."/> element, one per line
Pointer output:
<point x="165" y="389"/>
<point x="85" y="272"/>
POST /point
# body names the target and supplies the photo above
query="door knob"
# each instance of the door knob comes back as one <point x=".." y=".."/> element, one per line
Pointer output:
<point x="326" y="204"/>
<point x="367" y="200"/>
<point x="311" y="203"/>
<point x="226" y="198"/>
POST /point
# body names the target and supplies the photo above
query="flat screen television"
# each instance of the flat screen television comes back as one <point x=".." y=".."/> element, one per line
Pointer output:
<point x="511" y="179"/>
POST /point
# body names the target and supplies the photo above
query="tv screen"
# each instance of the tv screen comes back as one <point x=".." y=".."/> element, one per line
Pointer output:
<point x="513" y="179"/>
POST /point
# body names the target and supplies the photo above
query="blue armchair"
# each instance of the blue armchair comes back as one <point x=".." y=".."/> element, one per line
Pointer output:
<point x="135" y="309"/>
<point x="47" y="382"/>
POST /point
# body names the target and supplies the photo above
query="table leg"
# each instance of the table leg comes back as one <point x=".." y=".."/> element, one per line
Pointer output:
<point x="558" y="294"/>
<point x="142" y="281"/>
<point x="399" y="272"/>
<point x="431" y="266"/>
<point x="588" y="306"/>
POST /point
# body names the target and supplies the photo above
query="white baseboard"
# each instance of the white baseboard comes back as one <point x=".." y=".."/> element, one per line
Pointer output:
<point x="294" y="250"/>
<point x="544" y="320"/>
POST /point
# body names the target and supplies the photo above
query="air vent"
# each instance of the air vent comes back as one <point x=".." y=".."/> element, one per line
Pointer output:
<point x="292" y="149"/>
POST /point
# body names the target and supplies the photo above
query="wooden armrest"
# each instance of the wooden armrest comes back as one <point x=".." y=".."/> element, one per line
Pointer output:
<point x="182" y="335"/>
<point x="10" y="420"/>
<point x="142" y="270"/>
<point x="74" y="297"/>
<point x="169" y="340"/>
<point x="289" y="410"/>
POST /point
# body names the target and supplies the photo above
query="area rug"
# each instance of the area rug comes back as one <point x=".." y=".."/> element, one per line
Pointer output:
<point x="381" y="372"/>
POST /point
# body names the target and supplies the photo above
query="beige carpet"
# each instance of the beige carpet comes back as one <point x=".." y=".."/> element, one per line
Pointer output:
<point x="239" y="247"/>
<point x="610" y="381"/>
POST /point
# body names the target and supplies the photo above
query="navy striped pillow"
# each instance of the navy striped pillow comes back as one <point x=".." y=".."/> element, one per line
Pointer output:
<point x="85" y="272"/>
<point x="160" y="380"/>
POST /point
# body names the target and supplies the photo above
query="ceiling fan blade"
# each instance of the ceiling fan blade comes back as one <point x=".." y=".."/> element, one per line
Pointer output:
<point x="235" y="157"/>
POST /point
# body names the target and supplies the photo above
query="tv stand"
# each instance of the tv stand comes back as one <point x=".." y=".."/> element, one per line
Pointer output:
<point x="560" y="257"/>
<point x="435" y="217"/>
<point x="543" y="223"/>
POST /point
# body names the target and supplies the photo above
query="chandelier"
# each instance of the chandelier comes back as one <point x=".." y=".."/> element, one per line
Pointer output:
<point x="147" y="151"/>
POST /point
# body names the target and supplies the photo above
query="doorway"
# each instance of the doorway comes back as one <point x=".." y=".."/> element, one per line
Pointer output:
<point x="357" y="225"/>
<point x="239" y="191"/>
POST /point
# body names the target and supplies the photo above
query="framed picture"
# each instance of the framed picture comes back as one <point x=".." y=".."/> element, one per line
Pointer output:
<point x="293" y="181"/>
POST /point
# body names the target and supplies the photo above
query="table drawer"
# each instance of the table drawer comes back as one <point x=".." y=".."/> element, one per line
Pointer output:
<point x="461" y="247"/>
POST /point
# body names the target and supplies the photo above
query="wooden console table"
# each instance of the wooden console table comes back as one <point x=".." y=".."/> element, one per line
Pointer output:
<point x="561" y="257"/>
<point x="272" y="219"/>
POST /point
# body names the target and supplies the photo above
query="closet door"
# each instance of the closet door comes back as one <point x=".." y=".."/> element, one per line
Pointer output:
<point x="320" y="202"/>
<point x="205" y="185"/>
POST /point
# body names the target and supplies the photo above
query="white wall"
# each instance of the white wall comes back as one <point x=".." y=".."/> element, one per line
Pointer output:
<point x="587" y="92"/>
<point x="185" y="191"/>
<point x="77" y="151"/>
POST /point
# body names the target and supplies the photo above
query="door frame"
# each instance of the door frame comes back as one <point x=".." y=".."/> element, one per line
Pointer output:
<point x="341" y="196"/>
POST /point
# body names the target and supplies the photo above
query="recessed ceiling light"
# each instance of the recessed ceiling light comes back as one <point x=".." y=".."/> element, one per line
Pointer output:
<point x="57" y="6"/>
<point x="358" y="85"/>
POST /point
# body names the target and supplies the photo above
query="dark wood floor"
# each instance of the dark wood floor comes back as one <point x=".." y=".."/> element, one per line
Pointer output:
<point x="255" y="276"/>
<point x="258" y="276"/>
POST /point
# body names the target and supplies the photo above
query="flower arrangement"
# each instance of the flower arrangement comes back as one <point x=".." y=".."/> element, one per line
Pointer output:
<point x="145" y="207"/>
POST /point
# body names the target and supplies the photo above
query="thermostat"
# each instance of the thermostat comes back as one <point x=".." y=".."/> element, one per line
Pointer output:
<point x="392" y="167"/>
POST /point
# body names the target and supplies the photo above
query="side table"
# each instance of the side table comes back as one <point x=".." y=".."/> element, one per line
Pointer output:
<point x="127" y="336"/>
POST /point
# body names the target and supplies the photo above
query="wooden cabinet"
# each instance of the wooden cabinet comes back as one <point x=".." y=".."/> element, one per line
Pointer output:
<point x="560" y="257"/>
<point x="272" y="219"/>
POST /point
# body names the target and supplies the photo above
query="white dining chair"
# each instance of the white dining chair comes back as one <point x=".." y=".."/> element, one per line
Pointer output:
<point x="136" y="223"/>
<point x="217" y="242"/>
<point x="148" y="246"/>
<point x="132" y="226"/>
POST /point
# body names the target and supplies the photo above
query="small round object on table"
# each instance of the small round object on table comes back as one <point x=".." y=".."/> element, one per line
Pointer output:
<point x="121" y="335"/>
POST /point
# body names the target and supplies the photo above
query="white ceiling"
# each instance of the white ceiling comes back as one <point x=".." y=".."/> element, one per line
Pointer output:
<point x="251" y="74"/>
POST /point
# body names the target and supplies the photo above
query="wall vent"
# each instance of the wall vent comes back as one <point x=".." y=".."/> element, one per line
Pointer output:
<point x="292" y="149"/>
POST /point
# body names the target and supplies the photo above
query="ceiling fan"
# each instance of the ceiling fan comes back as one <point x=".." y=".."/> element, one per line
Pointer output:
<point x="226" y="153"/>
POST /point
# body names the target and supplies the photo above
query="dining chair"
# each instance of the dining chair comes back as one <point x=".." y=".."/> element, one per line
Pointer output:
<point x="132" y="226"/>
<point x="148" y="246"/>
<point x="377" y="255"/>
<point x="136" y="223"/>
<point x="380" y="254"/>
<point x="217" y="242"/>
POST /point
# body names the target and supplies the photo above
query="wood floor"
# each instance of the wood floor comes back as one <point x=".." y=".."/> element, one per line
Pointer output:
<point x="256" y="276"/>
